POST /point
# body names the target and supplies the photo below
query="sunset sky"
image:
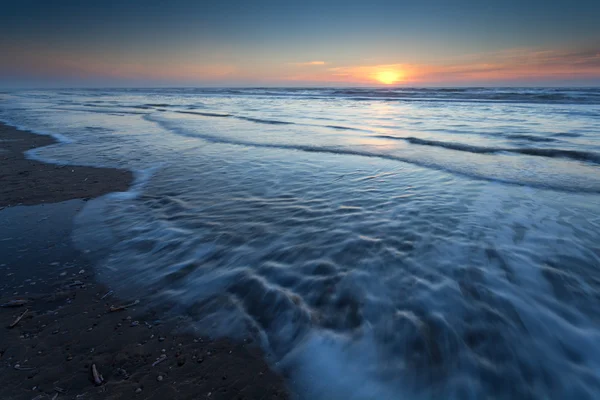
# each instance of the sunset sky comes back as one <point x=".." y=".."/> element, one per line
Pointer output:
<point x="301" y="43"/>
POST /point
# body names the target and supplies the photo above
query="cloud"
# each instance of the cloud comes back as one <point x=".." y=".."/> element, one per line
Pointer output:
<point x="57" y="65"/>
<point x="310" y="63"/>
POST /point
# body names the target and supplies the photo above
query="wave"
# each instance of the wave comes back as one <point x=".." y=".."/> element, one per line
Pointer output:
<point x="537" y="95"/>
<point x="463" y="94"/>
<point x="105" y="111"/>
<point x="570" y="186"/>
<point x="344" y="128"/>
<point x="269" y="121"/>
<point x="257" y="120"/>
<point x="265" y="121"/>
<point x="532" y="151"/>
<point x="568" y="134"/>
<point x="572" y="154"/>
<point x="204" y="114"/>
<point x="532" y="138"/>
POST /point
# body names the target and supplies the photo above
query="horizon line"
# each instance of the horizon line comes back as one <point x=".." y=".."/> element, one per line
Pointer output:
<point x="390" y="87"/>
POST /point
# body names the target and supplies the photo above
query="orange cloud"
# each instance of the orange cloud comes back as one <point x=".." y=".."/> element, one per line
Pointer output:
<point x="310" y="63"/>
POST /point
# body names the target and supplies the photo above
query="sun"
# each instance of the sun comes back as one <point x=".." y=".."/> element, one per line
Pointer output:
<point x="389" y="77"/>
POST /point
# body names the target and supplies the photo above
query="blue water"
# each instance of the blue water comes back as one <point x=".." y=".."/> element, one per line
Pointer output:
<point x="379" y="244"/>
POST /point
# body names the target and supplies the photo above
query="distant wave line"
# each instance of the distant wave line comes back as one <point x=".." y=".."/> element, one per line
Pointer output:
<point x="346" y="151"/>
<point x="531" y="151"/>
<point x="266" y="121"/>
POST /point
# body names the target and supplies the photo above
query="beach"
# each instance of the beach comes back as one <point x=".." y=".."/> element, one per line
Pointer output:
<point x="352" y="243"/>
<point x="66" y="335"/>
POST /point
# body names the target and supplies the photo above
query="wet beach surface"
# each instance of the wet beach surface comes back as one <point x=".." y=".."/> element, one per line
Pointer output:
<point x="65" y="324"/>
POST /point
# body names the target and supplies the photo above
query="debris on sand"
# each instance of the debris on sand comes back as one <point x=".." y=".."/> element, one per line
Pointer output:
<point x="123" y="307"/>
<point x="159" y="360"/>
<point x="20" y="367"/>
<point x="106" y="295"/>
<point x="98" y="379"/>
<point x="19" y="318"/>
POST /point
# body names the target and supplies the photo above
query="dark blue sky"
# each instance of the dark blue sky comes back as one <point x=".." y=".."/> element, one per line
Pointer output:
<point x="274" y="42"/>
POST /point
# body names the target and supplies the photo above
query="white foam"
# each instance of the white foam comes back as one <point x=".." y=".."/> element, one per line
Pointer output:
<point x="141" y="179"/>
<point x="326" y="367"/>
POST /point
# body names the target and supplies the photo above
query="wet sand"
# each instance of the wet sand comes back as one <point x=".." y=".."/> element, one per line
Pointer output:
<point x="28" y="182"/>
<point x="65" y="322"/>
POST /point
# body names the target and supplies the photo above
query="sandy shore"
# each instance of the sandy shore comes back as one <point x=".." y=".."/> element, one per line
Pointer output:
<point x="27" y="182"/>
<point x="65" y="324"/>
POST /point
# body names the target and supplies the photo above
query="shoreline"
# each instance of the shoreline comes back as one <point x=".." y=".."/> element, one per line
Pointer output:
<point x="63" y="323"/>
<point x="29" y="182"/>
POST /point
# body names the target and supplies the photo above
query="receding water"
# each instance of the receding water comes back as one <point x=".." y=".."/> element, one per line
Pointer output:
<point x="380" y="244"/>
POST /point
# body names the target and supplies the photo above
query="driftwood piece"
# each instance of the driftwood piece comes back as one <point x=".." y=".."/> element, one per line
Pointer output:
<point x="19" y="367"/>
<point x="19" y="318"/>
<point x="98" y="379"/>
<point x="159" y="360"/>
<point x="123" y="307"/>
<point x="106" y="295"/>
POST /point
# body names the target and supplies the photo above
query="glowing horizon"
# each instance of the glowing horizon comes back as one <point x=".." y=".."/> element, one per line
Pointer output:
<point x="526" y="66"/>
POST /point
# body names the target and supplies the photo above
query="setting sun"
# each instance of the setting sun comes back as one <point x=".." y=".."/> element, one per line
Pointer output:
<point x="388" y="77"/>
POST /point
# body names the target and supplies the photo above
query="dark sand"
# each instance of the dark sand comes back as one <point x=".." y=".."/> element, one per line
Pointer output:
<point x="67" y="325"/>
<point x="29" y="182"/>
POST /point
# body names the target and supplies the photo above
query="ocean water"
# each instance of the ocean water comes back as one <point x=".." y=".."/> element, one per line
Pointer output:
<point x="379" y="244"/>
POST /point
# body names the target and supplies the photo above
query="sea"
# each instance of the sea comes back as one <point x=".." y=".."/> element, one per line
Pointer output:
<point x="395" y="243"/>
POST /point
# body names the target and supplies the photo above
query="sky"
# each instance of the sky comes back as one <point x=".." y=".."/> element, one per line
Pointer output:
<point x="299" y="43"/>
